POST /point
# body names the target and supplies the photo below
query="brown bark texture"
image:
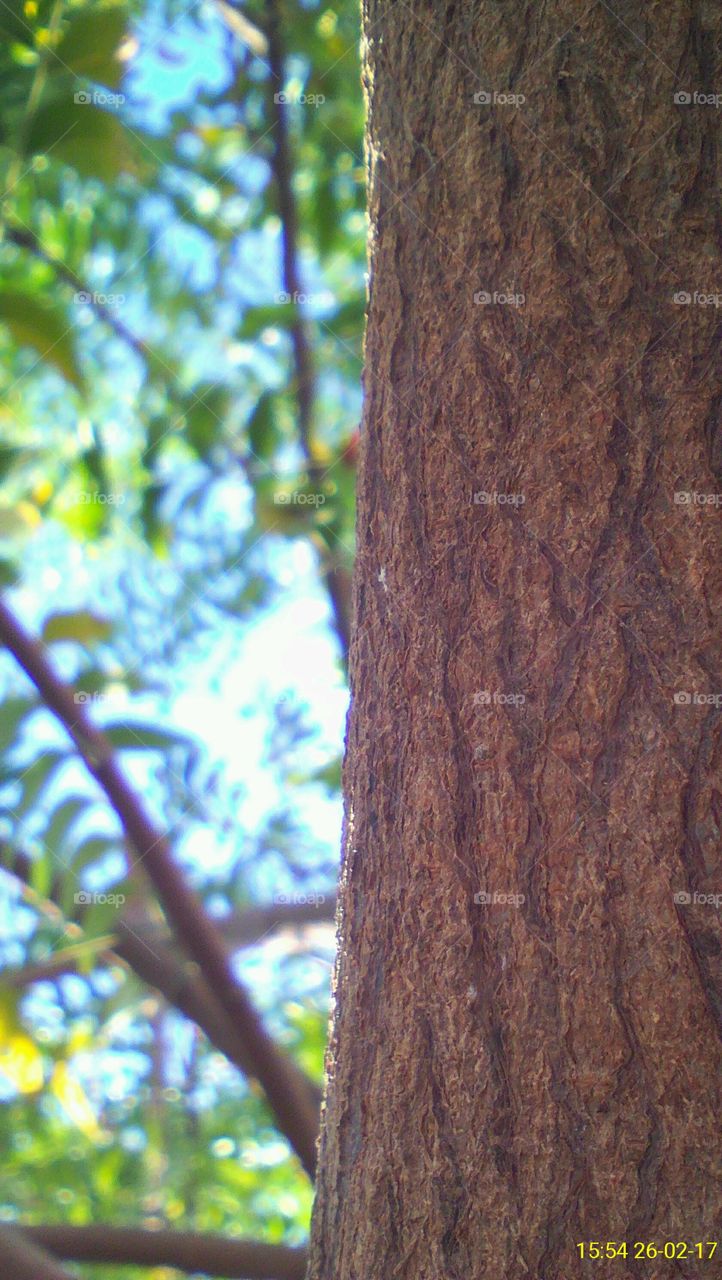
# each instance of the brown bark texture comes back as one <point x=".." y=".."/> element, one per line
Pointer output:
<point x="525" y="1052"/>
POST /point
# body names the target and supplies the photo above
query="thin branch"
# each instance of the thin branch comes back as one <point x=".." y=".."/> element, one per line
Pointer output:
<point x="214" y="1255"/>
<point x="241" y="929"/>
<point x="184" y="988"/>
<point x="337" y="578"/>
<point x="21" y="1258"/>
<point x="247" y="33"/>
<point x="148" y="951"/>
<point x="255" y="924"/>
<point x="25" y="239"/>
<point x="178" y="981"/>
<point x="289" y="1100"/>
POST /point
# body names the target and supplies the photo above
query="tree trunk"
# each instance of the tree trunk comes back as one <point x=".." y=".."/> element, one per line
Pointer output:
<point x="525" y="1054"/>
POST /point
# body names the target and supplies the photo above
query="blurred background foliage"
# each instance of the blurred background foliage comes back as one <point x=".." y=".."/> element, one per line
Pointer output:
<point x="178" y="438"/>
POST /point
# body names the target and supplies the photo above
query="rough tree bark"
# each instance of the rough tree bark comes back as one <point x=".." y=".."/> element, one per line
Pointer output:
<point x="535" y="665"/>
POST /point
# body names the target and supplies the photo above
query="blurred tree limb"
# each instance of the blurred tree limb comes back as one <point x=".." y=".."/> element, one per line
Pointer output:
<point x="22" y="1259"/>
<point x="288" y="1096"/>
<point x="189" y="1251"/>
<point x="338" y="579"/>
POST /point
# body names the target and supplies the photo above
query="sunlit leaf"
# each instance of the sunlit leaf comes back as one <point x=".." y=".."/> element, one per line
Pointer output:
<point x="74" y="1100"/>
<point x="91" y="42"/>
<point x="83" y="626"/>
<point x="83" y="135"/>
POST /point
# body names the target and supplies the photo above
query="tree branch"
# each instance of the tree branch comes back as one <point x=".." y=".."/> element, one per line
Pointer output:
<point x="25" y="239"/>
<point x="214" y="1255"/>
<point x="187" y="991"/>
<point x="246" y="32"/>
<point x="241" y="929"/>
<point x="337" y="578"/>
<point x="289" y="1099"/>
<point x="148" y="950"/>
<point x="22" y="1259"/>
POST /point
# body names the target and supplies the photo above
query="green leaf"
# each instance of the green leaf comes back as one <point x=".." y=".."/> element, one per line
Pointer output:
<point x="326" y="214"/>
<point x="91" y="851"/>
<point x="13" y="24"/>
<point x="63" y="818"/>
<point x="9" y="455"/>
<point x="155" y="530"/>
<point x="41" y="875"/>
<point x="142" y="737"/>
<point x="263" y="433"/>
<point x="44" y="327"/>
<point x="102" y="917"/>
<point x="205" y="419"/>
<point x="329" y="775"/>
<point x="82" y="135"/>
<point x="90" y="44"/>
<point x="257" y="319"/>
<point x="37" y="776"/>
<point x="12" y="713"/>
<point x="83" y="626"/>
<point x="348" y="320"/>
<point x="84" y="520"/>
<point x="9" y="573"/>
